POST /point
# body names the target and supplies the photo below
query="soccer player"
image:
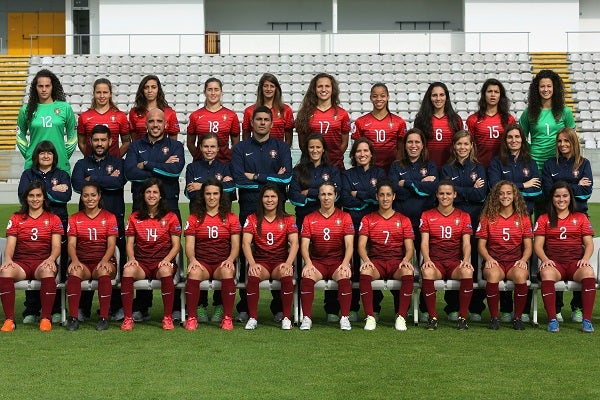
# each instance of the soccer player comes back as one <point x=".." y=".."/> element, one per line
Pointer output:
<point x="446" y="250"/>
<point x="488" y="123"/>
<point x="320" y="112"/>
<point x="437" y="119"/>
<point x="382" y="127"/>
<point x="92" y="240"/>
<point x="386" y="247"/>
<point x="563" y="244"/>
<point x="270" y="245"/>
<point x="33" y="238"/>
<point x="47" y="116"/>
<point x="269" y="94"/>
<point x="153" y="241"/>
<point x="103" y="111"/>
<point x="505" y="243"/>
<point x="149" y="96"/>
<point x="212" y="244"/>
<point x="546" y="114"/>
<point x="327" y="246"/>
<point x="213" y="118"/>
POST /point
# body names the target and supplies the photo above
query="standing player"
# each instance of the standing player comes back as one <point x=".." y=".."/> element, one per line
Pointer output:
<point x="386" y="247"/>
<point x="384" y="129"/>
<point x="150" y="96"/>
<point x="437" y="119"/>
<point x="33" y="238"/>
<point x="47" y="116"/>
<point x="327" y="246"/>
<point x="563" y="243"/>
<point x="505" y="237"/>
<point x="153" y="241"/>
<point x="212" y="244"/>
<point x="213" y="118"/>
<point x="488" y="123"/>
<point x="320" y="112"/>
<point x="269" y="95"/>
<point x="92" y="240"/>
<point x="446" y="249"/>
<point x="270" y="245"/>
<point x="103" y="111"/>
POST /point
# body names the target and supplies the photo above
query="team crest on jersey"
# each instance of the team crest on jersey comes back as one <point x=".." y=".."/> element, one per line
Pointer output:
<point x="338" y="221"/>
<point x="218" y="176"/>
<point x="517" y="223"/>
<point x="398" y="224"/>
<point x="103" y="222"/>
<point x="9" y="225"/>
<point x="163" y="223"/>
<point x="273" y="153"/>
<point x="46" y="222"/>
<point x="574" y="221"/>
<point x="473" y="176"/>
<point x="526" y="172"/>
<point x="325" y="177"/>
<point x="281" y="225"/>
<point x="224" y="117"/>
<point x="456" y="221"/>
<point x="373" y="182"/>
<point x="113" y="118"/>
<point x="575" y="173"/>
<point x="109" y="169"/>
<point x="423" y="171"/>
<point x="57" y="111"/>
<point x="54" y="181"/>
<point x="165" y="150"/>
<point x="391" y="125"/>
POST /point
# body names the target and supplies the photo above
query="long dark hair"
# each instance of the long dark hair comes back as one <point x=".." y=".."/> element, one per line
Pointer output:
<point x="552" y="214"/>
<point x="44" y="146"/>
<point x="303" y="169"/>
<point x="162" y="208"/>
<point x="198" y="206"/>
<point x="423" y="117"/>
<point x="534" y="100"/>
<point x="260" y="210"/>
<point x="355" y="148"/>
<point x="111" y="103"/>
<point x="277" y="98"/>
<point x="310" y="101"/>
<point x="525" y="153"/>
<point x="96" y="185"/>
<point x="140" y="102"/>
<point x="211" y="80"/>
<point x="57" y="92"/>
<point x="503" y="102"/>
<point x="403" y="158"/>
<point x="24" y="210"/>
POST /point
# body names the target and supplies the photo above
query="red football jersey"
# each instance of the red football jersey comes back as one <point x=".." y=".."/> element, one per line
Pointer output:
<point x="92" y="234"/>
<point x="440" y="144"/>
<point x="137" y="122"/>
<point x="332" y="123"/>
<point x="384" y="134"/>
<point x="327" y="234"/>
<point x="564" y="243"/>
<point x="505" y="236"/>
<point x="386" y="236"/>
<point x="272" y="245"/>
<point x="212" y="236"/>
<point x="445" y="233"/>
<point x="224" y="123"/>
<point x="115" y="120"/>
<point x="34" y="235"/>
<point x="487" y="133"/>
<point x="281" y="123"/>
<point x="152" y="236"/>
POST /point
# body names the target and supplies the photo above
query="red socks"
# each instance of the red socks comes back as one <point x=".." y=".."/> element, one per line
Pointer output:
<point x="549" y="298"/>
<point x="167" y="289"/>
<point x="493" y="298"/>
<point x="192" y="296"/>
<point x="252" y="294"/>
<point x="408" y="283"/>
<point x="47" y="295"/>
<point x="366" y="293"/>
<point x="287" y="295"/>
<point x="307" y="296"/>
<point x="428" y="289"/>
<point x="104" y="295"/>
<point x="228" y="296"/>
<point x="127" y="295"/>
<point x="73" y="294"/>
<point x="464" y="296"/>
<point x="345" y="296"/>
<point x="520" y="298"/>
<point x="588" y="296"/>
<point x="7" y="290"/>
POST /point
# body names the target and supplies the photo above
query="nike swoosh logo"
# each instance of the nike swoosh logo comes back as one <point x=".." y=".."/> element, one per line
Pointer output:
<point x="250" y="294"/>
<point x="363" y="293"/>
<point x="141" y="151"/>
<point x="494" y="295"/>
<point x="346" y="294"/>
<point x="105" y="296"/>
<point x="433" y="219"/>
<point x="369" y="124"/>
<point x="555" y="174"/>
<point x="521" y="295"/>
<point x="50" y="293"/>
<point x="91" y="169"/>
<point x="546" y="294"/>
<point x="429" y="294"/>
<point x="455" y="177"/>
<point x="407" y="294"/>
<point x="589" y="290"/>
<point x="402" y="173"/>
<point x="355" y="183"/>
<point x="166" y="294"/>
<point x="197" y="177"/>
<point x="88" y="118"/>
<point x="305" y="292"/>
<point x="124" y="293"/>
<point x="468" y="291"/>
<point x="505" y="172"/>
<point x="286" y="293"/>
<point x="4" y="293"/>
<point x="249" y="154"/>
<point x="232" y="294"/>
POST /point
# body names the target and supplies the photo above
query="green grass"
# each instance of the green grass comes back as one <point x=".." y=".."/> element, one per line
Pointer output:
<point x="324" y="363"/>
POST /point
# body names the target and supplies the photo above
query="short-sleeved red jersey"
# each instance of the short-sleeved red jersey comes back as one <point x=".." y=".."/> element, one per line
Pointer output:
<point x="564" y="243"/>
<point x="505" y="236"/>
<point x="384" y="134"/>
<point x="34" y="235"/>
<point x="152" y="236"/>
<point x="327" y="234"/>
<point x="331" y="123"/>
<point x="212" y="236"/>
<point x="137" y="123"/>
<point x="440" y="144"/>
<point x="92" y="234"/>
<point x="487" y="133"/>
<point x="272" y="244"/>
<point x="445" y="233"/>
<point x="224" y="123"/>
<point x="386" y="236"/>
<point x="281" y="122"/>
<point x="115" y="120"/>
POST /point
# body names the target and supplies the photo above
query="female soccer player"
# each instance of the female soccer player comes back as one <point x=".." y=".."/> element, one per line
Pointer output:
<point x="270" y="245"/>
<point x="546" y="114"/>
<point x="150" y="95"/>
<point x="515" y="164"/>
<point x="320" y="112"/>
<point x="386" y="247"/>
<point x="47" y="116"/>
<point x="213" y="118"/>
<point x="104" y="111"/>
<point x="437" y="119"/>
<point x="505" y="243"/>
<point x="327" y="246"/>
<point x="563" y="244"/>
<point x="269" y="94"/>
<point x="488" y="123"/>
<point x="33" y="239"/>
<point x="93" y="234"/>
<point x="153" y="241"/>
<point x="446" y="249"/>
<point x="212" y="244"/>
<point x="384" y="129"/>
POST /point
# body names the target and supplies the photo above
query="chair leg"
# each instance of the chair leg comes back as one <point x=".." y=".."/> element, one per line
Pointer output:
<point x="415" y="300"/>
<point x="534" y="299"/>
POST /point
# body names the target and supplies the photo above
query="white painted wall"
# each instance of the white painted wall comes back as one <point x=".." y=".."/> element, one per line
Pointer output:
<point x="589" y="23"/>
